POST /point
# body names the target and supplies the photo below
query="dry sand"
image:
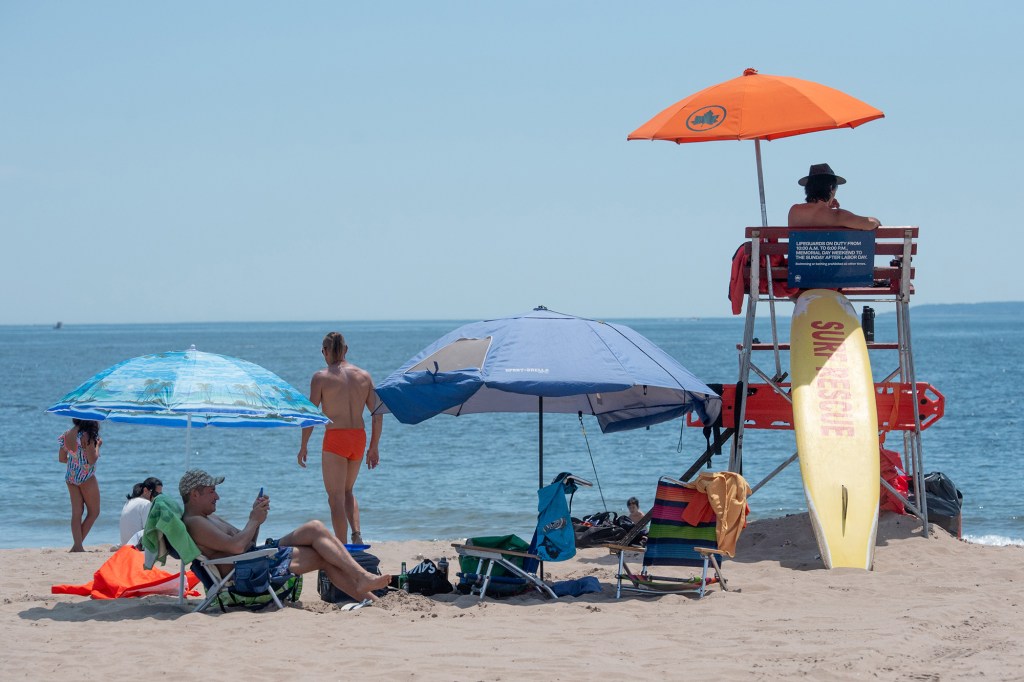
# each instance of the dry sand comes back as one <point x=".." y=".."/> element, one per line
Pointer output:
<point x="932" y="609"/>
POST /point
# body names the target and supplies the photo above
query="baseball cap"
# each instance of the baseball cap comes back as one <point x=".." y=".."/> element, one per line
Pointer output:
<point x="197" y="478"/>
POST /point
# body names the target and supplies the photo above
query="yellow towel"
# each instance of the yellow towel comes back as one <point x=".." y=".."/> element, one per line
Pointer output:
<point x="727" y="494"/>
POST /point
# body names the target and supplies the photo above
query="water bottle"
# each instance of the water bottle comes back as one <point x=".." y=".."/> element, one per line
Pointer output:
<point x="867" y="323"/>
<point x="442" y="565"/>
<point x="403" y="579"/>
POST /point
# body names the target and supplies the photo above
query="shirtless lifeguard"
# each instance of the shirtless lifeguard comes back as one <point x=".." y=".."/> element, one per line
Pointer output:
<point x="343" y="391"/>
<point x="821" y="208"/>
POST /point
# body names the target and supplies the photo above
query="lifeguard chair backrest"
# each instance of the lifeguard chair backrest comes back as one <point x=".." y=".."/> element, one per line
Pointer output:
<point x="894" y="247"/>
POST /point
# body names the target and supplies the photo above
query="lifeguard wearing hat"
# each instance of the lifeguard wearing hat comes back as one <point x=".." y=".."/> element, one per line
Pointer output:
<point x="821" y="208"/>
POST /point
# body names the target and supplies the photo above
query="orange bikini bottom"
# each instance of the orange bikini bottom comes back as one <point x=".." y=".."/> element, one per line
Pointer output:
<point x="347" y="443"/>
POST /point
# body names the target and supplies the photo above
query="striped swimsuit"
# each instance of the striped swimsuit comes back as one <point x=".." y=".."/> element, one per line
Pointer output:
<point x="79" y="470"/>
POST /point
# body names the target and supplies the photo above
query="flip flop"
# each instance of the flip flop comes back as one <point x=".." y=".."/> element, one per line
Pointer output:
<point x="357" y="605"/>
<point x="357" y="538"/>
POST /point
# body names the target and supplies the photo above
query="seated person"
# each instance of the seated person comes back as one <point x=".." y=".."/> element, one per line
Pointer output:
<point x="821" y="208"/>
<point x="635" y="515"/>
<point x="309" y="547"/>
<point x="136" y="509"/>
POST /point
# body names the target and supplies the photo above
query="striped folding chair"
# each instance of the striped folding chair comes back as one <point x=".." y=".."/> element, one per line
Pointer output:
<point x="673" y="541"/>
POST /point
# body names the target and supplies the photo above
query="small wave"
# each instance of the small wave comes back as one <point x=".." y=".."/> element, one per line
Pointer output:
<point x="995" y="540"/>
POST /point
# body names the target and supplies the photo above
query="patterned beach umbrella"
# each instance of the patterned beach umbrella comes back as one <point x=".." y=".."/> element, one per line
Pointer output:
<point x="174" y="388"/>
<point x="190" y="389"/>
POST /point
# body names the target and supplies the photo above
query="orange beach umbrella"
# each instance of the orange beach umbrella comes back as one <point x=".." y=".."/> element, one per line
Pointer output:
<point x="756" y="107"/>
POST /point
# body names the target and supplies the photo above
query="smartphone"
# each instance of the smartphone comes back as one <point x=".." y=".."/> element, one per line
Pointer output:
<point x="261" y="493"/>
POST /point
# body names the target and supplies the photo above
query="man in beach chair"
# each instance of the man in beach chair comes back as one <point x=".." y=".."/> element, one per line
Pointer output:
<point x="309" y="547"/>
<point x="692" y="524"/>
<point x="165" y="535"/>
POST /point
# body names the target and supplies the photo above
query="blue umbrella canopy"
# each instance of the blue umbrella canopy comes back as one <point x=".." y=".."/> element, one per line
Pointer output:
<point x="190" y="389"/>
<point x="544" y="361"/>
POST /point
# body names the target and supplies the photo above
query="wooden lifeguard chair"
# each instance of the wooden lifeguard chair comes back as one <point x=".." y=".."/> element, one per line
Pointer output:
<point x="903" y="404"/>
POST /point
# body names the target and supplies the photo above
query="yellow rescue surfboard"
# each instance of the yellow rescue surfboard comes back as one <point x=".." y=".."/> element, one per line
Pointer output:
<point x="836" y="427"/>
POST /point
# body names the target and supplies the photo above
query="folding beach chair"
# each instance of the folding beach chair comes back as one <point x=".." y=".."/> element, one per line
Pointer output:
<point x="679" y="535"/>
<point x="501" y="564"/>
<point x="506" y="564"/>
<point x="166" y="535"/>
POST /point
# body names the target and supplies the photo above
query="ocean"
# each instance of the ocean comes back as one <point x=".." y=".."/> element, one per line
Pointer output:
<point x="458" y="477"/>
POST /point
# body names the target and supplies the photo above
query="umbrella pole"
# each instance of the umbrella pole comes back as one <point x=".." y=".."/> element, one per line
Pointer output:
<point x="768" y="264"/>
<point x="540" y="462"/>
<point x="760" y="183"/>
<point x="540" y="441"/>
<point x="188" y="438"/>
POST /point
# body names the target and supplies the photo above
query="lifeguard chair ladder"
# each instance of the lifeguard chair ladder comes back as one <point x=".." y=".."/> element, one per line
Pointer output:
<point x="893" y="283"/>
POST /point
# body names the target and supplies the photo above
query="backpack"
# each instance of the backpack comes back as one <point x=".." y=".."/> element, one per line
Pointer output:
<point x="332" y="594"/>
<point x="603" y="527"/>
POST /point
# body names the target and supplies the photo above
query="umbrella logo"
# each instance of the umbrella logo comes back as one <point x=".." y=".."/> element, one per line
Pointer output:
<point x="706" y="118"/>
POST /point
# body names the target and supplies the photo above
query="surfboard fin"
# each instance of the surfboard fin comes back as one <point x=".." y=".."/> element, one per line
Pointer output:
<point x="846" y="505"/>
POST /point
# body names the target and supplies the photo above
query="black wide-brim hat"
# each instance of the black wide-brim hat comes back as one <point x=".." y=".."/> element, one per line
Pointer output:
<point x="818" y="169"/>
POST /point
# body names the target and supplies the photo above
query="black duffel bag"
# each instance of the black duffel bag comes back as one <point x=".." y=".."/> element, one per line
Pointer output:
<point x="944" y="501"/>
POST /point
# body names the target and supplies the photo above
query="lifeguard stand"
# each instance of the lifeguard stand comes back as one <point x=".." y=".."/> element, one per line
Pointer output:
<point x="903" y="404"/>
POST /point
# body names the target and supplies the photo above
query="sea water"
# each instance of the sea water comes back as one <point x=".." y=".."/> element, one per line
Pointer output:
<point x="457" y="477"/>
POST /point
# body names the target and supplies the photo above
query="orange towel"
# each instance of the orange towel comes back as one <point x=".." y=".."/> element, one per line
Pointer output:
<point x="122" y="575"/>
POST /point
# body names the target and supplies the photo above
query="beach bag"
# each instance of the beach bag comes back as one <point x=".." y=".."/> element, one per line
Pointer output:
<point x="252" y="576"/>
<point x="600" y="528"/>
<point x="333" y="594"/>
<point x="944" y="502"/>
<point x="427" y="579"/>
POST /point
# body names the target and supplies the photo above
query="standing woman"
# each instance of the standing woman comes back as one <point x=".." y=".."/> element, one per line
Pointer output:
<point x="80" y="449"/>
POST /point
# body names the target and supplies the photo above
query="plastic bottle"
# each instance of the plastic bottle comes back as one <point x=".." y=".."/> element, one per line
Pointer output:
<point x="403" y="579"/>
<point x="442" y="565"/>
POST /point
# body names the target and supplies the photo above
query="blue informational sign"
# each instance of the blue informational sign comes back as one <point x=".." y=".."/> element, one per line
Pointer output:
<point x="831" y="259"/>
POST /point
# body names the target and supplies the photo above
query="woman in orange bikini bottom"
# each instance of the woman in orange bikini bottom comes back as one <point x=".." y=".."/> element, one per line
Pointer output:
<point x="347" y="443"/>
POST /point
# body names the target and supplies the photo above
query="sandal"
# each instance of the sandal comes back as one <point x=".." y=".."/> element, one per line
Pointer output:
<point x="357" y="605"/>
<point x="357" y="538"/>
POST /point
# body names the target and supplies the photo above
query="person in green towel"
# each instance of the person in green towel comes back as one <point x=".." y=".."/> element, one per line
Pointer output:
<point x="310" y="547"/>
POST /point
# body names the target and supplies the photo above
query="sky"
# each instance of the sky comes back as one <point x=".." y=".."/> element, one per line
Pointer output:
<point x="267" y="161"/>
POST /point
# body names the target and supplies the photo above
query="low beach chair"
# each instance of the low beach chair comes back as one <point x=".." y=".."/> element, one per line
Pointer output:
<point x="501" y="564"/>
<point x="675" y="538"/>
<point x="165" y="536"/>
<point x="506" y="564"/>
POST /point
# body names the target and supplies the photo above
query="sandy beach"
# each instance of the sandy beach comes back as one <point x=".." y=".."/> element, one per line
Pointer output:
<point x="933" y="609"/>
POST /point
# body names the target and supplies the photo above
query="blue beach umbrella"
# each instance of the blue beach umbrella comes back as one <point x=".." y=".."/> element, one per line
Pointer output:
<point x="544" y="361"/>
<point x="190" y="389"/>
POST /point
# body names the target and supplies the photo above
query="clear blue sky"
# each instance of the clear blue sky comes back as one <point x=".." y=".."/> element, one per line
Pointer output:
<point x="207" y="161"/>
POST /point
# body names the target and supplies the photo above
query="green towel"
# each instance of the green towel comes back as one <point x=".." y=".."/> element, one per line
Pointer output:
<point x="165" y="520"/>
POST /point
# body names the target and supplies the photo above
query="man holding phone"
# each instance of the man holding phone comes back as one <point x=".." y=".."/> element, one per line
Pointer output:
<point x="310" y="547"/>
